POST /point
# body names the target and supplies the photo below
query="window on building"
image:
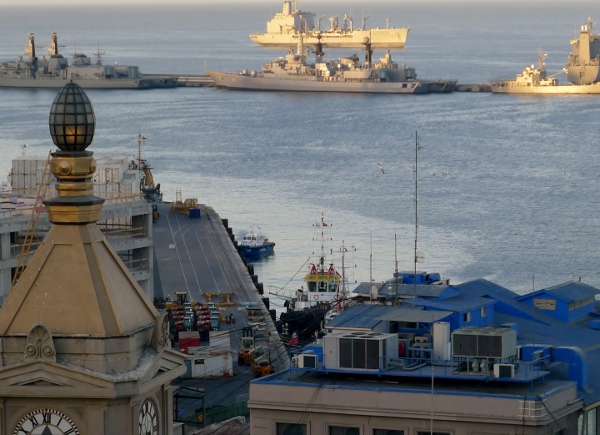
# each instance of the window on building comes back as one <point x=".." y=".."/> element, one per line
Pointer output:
<point x="586" y="423"/>
<point x="426" y="432"/>
<point x="291" y="429"/>
<point x="388" y="432"/>
<point x="466" y="317"/>
<point x="591" y="422"/>
<point x="545" y="304"/>
<point x="408" y="325"/>
<point x="483" y="311"/>
<point x="341" y="430"/>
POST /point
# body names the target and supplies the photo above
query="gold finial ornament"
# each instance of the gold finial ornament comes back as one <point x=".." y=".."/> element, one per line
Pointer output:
<point x="72" y="125"/>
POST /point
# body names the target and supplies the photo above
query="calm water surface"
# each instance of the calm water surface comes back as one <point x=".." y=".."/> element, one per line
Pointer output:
<point x="508" y="186"/>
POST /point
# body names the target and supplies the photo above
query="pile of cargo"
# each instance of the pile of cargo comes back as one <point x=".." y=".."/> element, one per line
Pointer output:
<point x="202" y="313"/>
<point x="177" y="318"/>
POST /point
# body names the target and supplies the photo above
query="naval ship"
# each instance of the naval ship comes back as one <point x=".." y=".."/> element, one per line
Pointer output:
<point x="53" y="71"/>
<point x="293" y="73"/>
<point x="582" y="70"/>
<point x="288" y="26"/>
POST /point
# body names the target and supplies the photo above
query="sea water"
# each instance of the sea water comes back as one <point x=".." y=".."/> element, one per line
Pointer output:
<point x="507" y="185"/>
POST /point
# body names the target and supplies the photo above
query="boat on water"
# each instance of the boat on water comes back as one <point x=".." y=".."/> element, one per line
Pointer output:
<point x="255" y="245"/>
<point x="582" y="70"/>
<point x="294" y="74"/>
<point x="54" y="71"/>
<point x="322" y="285"/>
<point x="288" y="26"/>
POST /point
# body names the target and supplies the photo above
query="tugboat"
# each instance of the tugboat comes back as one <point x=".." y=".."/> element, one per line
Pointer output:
<point x="54" y="71"/>
<point x="287" y="27"/>
<point x="255" y="245"/>
<point x="583" y="70"/>
<point x="293" y="73"/>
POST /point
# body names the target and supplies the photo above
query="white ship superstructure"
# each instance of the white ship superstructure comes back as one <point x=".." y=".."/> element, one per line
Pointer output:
<point x="582" y="69"/>
<point x="286" y="28"/>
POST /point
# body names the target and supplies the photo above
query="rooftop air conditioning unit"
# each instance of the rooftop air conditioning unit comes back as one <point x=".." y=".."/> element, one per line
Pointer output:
<point x="307" y="361"/>
<point x="368" y="351"/>
<point x="484" y="342"/>
<point x="504" y="370"/>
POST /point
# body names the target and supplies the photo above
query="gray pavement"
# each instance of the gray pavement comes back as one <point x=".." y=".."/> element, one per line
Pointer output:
<point x="198" y="256"/>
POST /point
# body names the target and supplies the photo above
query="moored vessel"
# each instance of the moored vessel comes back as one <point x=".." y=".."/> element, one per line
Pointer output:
<point x="582" y="70"/>
<point x="294" y="74"/>
<point x="255" y="245"/>
<point x="54" y="71"/>
<point x="288" y="26"/>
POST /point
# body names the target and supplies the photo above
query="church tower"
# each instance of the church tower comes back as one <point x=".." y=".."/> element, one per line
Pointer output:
<point x="82" y="349"/>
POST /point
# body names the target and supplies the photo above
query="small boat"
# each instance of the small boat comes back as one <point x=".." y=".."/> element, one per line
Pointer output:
<point x="323" y="284"/>
<point x="254" y="245"/>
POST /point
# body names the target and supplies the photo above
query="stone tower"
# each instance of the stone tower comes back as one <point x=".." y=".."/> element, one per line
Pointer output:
<point x="82" y="350"/>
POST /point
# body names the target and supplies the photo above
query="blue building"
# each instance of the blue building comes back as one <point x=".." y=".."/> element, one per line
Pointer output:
<point x="429" y="357"/>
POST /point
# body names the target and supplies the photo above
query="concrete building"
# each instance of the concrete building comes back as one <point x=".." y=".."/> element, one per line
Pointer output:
<point x="83" y="351"/>
<point x="125" y="220"/>
<point x="520" y="367"/>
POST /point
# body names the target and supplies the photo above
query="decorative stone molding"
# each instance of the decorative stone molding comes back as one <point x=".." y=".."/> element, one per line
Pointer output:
<point x="160" y="337"/>
<point x="40" y="345"/>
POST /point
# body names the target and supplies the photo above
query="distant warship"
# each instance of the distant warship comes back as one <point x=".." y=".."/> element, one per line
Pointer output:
<point x="286" y="27"/>
<point x="294" y="74"/>
<point x="582" y="69"/>
<point x="54" y="71"/>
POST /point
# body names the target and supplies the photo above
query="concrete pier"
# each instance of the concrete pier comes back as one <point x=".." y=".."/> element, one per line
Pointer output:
<point x="198" y="256"/>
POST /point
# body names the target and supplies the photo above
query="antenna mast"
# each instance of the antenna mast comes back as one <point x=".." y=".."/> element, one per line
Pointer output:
<point x="396" y="274"/>
<point x="416" y="204"/>
<point x="371" y="270"/>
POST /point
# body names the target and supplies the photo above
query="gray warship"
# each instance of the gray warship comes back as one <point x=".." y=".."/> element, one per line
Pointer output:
<point x="286" y="27"/>
<point x="294" y="74"/>
<point x="582" y="70"/>
<point x="53" y="71"/>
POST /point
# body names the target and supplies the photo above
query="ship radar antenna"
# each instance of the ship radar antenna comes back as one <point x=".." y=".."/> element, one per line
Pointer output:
<point x="98" y="55"/>
<point x="541" y="60"/>
<point x="368" y="52"/>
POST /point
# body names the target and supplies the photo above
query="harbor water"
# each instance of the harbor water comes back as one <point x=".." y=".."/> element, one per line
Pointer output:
<point x="508" y="185"/>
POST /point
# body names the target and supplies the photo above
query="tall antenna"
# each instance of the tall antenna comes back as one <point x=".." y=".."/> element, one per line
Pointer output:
<point x="396" y="274"/>
<point x="416" y="204"/>
<point x="371" y="270"/>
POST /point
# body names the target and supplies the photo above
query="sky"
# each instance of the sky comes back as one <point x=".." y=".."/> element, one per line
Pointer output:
<point x="172" y="2"/>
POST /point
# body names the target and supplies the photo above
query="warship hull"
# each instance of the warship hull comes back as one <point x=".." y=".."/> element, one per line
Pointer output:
<point x="51" y="83"/>
<point x="380" y="38"/>
<point x="508" y="87"/>
<point x="311" y="84"/>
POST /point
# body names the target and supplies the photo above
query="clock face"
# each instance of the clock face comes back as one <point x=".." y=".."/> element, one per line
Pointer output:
<point x="148" y="418"/>
<point x="46" y="421"/>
